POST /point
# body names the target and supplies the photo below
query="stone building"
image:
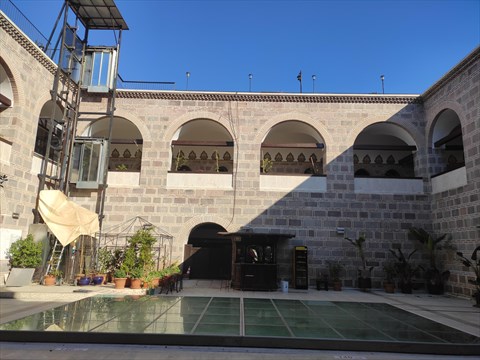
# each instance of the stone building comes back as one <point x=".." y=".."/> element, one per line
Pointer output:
<point x="318" y="167"/>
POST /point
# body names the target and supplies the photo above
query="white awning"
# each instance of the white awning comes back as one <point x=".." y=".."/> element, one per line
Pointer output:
<point x="66" y="219"/>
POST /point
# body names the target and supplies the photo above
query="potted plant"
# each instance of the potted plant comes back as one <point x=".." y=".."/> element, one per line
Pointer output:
<point x="53" y="277"/>
<point x="435" y="278"/>
<point x="364" y="273"/>
<point x="104" y="263"/>
<point x="136" y="275"/>
<point x="390" y="273"/>
<point x="120" y="278"/>
<point x="335" y="270"/>
<point x="405" y="270"/>
<point x="24" y="255"/>
<point x="474" y="263"/>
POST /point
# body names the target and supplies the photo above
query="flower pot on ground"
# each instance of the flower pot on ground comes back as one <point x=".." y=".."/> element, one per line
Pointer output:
<point x="49" y="280"/>
<point x="473" y="264"/>
<point x="120" y="278"/>
<point x="98" y="279"/>
<point x="24" y="255"/>
<point x="431" y="245"/>
<point x="389" y="282"/>
<point x="136" y="275"/>
<point x="335" y="270"/>
<point x="83" y="281"/>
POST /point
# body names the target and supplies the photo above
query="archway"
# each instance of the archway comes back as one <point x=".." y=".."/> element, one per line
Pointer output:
<point x="202" y="145"/>
<point x="211" y="254"/>
<point x="384" y="150"/>
<point x="447" y="142"/>
<point x="292" y="147"/>
<point x="126" y="145"/>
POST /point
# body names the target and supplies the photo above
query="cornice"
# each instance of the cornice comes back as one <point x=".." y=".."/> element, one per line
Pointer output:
<point x="25" y="42"/>
<point x="456" y="70"/>
<point x="267" y="97"/>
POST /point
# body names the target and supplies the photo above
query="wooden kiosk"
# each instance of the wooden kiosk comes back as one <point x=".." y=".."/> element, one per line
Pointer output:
<point x="254" y="260"/>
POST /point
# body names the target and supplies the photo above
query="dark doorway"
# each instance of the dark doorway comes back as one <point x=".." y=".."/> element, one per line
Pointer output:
<point x="212" y="258"/>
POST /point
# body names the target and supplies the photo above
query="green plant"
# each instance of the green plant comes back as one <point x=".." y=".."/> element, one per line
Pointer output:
<point x="121" y="167"/>
<point x="474" y="264"/>
<point x="25" y="253"/>
<point x="335" y="270"/>
<point x="405" y="269"/>
<point x="359" y="245"/>
<point x="390" y="272"/>
<point x="266" y="165"/>
<point x="55" y="272"/>
<point x="105" y="260"/>
<point x="180" y="161"/>
<point x="432" y="245"/>
<point x="120" y="273"/>
<point x="136" y="273"/>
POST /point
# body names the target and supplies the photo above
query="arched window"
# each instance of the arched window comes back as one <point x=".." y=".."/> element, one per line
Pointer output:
<point x="202" y="145"/>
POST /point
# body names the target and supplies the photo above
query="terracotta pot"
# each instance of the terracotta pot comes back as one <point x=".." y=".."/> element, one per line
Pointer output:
<point x="136" y="284"/>
<point x="49" y="280"/>
<point x="389" y="287"/>
<point x="337" y="286"/>
<point x="120" y="283"/>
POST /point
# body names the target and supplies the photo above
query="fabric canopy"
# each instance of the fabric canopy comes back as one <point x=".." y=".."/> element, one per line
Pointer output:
<point x="66" y="219"/>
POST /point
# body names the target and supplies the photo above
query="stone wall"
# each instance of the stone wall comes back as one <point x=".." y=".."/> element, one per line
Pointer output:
<point x="457" y="211"/>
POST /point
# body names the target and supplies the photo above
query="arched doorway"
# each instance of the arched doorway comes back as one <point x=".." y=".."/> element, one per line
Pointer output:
<point x="211" y="255"/>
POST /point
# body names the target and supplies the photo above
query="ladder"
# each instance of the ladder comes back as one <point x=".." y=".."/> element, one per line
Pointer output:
<point x="55" y="256"/>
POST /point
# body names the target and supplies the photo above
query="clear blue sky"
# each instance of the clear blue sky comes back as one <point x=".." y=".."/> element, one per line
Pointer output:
<point x="346" y="44"/>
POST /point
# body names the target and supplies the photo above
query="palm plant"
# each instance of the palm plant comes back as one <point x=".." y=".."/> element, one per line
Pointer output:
<point x="432" y="245"/>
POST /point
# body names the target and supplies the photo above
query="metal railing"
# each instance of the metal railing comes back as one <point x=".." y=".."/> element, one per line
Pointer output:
<point x="19" y="18"/>
<point x="144" y="85"/>
<point x="24" y="24"/>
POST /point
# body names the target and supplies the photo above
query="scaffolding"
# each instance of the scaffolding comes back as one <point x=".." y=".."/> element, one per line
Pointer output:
<point x="80" y="68"/>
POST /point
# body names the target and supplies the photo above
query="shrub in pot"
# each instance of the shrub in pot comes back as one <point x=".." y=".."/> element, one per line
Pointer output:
<point x="24" y="255"/>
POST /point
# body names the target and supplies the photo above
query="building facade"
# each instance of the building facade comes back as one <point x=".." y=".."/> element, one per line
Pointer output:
<point x="319" y="167"/>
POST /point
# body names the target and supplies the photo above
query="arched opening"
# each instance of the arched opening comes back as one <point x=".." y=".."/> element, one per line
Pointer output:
<point x="126" y="145"/>
<point x="49" y="111"/>
<point x="203" y="146"/>
<point x="6" y="90"/>
<point x="210" y="255"/>
<point x="447" y="143"/>
<point x="384" y="149"/>
<point x="292" y="147"/>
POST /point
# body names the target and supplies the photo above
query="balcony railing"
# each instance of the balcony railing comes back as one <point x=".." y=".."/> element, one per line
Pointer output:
<point x="144" y="85"/>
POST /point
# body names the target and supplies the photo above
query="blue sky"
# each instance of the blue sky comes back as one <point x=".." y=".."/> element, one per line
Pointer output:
<point x="346" y="44"/>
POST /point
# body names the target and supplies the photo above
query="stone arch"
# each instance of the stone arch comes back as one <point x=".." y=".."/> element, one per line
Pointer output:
<point x="146" y="133"/>
<point x="434" y="112"/>
<point x="379" y="140"/>
<point x="8" y="86"/>
<point x="295" y="116"/>
<point x="417" y="136"/>
<point x="126" y="147"/>
<point x="188" y="128"/>
<point x="193" y="115"/>
<point x="182" y="237"/>
<point x="445" y="135"/>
